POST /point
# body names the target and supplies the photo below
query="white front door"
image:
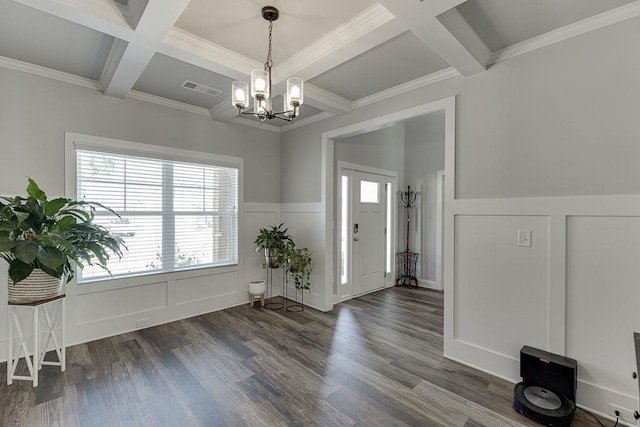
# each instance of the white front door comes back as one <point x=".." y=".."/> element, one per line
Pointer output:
<point x="368" y="231"/>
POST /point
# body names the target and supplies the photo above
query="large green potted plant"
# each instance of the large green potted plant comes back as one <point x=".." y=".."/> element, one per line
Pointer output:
<point x="274" y="241"/>
<point x="43" y="240"/>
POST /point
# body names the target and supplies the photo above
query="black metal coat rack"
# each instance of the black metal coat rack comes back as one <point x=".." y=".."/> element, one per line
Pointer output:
<point x="407" y="260"/>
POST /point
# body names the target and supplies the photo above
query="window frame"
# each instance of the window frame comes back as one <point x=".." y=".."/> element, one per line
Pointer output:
<point x="75" y="141"/>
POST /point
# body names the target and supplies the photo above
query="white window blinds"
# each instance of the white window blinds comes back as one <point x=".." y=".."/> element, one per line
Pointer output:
<point x="174" y="215"/>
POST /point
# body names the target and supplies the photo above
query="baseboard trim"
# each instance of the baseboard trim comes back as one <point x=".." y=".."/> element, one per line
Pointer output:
<point x="429" y="284"/>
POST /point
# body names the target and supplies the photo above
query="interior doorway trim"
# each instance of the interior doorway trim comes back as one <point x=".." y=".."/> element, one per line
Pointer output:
<point x="448" y="105"/>
<point x="439" y="227"/>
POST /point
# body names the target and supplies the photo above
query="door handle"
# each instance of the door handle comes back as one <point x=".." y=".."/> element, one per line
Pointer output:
<point x="356" y="239"/>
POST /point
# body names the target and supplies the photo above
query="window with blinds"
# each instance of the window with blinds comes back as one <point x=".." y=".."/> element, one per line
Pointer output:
<point x="173" y="215"/>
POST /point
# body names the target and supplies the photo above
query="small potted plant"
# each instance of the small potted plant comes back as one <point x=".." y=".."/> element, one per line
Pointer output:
<point x="43" y="240"/>
<point x="274" y="241"/>
<point x="299" y="268"/>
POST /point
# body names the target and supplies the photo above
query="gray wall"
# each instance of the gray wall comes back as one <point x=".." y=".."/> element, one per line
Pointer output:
<point x="35" y="113"/>
<point x="562" y="120"/>
<point x="423" y="158"/>
<point x="382" y="149"/>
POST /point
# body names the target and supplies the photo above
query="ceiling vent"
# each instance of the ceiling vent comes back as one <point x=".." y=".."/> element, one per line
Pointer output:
<point x="188" y="84"/>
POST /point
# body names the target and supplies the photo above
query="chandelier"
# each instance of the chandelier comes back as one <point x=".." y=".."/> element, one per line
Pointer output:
<point x="261" y="87"/>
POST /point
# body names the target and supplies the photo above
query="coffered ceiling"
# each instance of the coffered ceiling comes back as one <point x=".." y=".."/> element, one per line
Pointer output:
<point x="350" y="53"/>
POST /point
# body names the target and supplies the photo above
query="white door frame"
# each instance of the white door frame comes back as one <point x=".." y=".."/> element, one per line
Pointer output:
<point x="448" y="105"/>
<point x="439" y="228"/>
<point x="340" y="168"/>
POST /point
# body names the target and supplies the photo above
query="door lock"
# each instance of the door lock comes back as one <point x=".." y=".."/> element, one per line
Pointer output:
<point x="355" y="228"/>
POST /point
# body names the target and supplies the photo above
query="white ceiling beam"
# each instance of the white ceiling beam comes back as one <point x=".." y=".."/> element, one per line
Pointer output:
<point x="340" y="54"/>
<point x="421" y="19"/>
<point x="100" y="15"/>
<point x="326" y="101"/>
<point x="202" y="53"/>
<point x="462" y="31"/>
<point x="159" y="17"/>
<point x="368" y="29"/>
<point x="223" y="111"/>
<point x="441" y="6"/>
<point x="126" y="63"/>
<point x="133" y="11"/>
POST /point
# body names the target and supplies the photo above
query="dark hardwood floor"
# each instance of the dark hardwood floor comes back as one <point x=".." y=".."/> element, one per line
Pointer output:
<point x="373" y="361"/>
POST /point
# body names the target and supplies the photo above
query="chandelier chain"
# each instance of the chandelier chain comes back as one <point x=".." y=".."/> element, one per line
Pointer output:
<point x="269" y="63"/>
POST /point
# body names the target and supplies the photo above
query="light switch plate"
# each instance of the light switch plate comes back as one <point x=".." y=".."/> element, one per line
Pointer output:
<point x="524" y="238"/>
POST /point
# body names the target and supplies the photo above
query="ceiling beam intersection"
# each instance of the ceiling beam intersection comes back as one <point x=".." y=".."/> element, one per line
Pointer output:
<point x="420" y="18"/>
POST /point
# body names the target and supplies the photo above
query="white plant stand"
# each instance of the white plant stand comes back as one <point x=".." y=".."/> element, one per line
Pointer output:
<point x="53" y="313"/>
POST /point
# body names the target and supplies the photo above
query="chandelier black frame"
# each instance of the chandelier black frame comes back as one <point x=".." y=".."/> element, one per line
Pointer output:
<point x="261" y="86"/>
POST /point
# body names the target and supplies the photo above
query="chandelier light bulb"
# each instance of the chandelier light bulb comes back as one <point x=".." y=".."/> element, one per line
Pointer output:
<point x="259" y="84"/>
<point x="240" y="95"/>
<point x="295" y="91"/>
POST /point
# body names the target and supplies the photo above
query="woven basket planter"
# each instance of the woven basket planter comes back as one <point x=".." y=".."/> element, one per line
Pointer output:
<point x="38" y="286"/>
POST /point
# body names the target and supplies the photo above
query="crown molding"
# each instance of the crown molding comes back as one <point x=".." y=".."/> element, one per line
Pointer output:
<point x="25" y="67"/>
<point x="256" y="124"/>
<point x="455" y="23"/>
<point x="438" y="76"/>
<point x="307" y="121"/>
<point x="178" y="42"/>
<point x="360" y="25"/>
<point x="602" y="20"/>
<point x="165" y="102"/>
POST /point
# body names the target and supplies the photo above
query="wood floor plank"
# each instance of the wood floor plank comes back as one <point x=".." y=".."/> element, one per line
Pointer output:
<point x="163" y="409"/>
<point x="373" y="361"/>
<point x="195" y="400"/>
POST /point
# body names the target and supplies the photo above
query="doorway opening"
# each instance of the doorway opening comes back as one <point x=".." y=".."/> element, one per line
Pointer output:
<point x="333" y="230"/>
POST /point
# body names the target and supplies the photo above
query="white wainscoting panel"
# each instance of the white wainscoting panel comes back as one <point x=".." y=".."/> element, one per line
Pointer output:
<point x="575" y="292"/>
<point x="256" y="216"/>
<point x="304" y="223"/>
<point x="603" y="299"/>
<point x="101" y="306"/>
<point x="501" y="290"/>
<point x="205" y="287"/>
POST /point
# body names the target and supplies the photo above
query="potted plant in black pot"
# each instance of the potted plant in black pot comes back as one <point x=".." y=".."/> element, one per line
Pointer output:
<point x="274" y="241"/>
<point x="299" y="269"/>
<point x="43" y="240"/>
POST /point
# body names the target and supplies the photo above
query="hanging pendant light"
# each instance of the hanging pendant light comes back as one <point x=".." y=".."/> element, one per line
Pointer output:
<point x="261" y="86"/>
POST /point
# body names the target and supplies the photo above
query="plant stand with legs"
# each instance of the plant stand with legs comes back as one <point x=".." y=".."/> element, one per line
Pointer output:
<point x="271" y="304"/>
<point x="54" y="318"/>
